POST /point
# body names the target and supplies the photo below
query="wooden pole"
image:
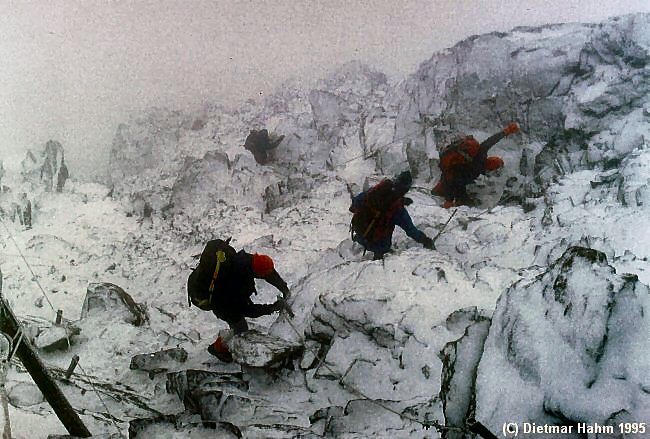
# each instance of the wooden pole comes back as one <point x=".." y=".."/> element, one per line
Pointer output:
<point x="5" y="350"/>
<point x="27" y="354"/>
<point x="73" y="364"/>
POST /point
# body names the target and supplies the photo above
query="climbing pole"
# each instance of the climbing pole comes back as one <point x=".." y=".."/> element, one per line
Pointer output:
<point x="23" y="349"/>
<point x="5" y="356"/>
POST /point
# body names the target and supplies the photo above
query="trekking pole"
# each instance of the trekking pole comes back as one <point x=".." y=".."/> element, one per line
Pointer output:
<point x="443" y="226"/>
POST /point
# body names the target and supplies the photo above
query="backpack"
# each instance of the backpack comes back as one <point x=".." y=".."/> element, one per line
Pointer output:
<point x="214" y="269"/>
<point x="372" y="220"/>
<point x="460" y="152"/>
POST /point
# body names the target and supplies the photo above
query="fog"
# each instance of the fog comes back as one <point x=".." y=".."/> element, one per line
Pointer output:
<point x="73" y="70"/>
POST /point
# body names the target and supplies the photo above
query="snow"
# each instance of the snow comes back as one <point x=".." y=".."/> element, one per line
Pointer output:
<point x="566" y="343"/>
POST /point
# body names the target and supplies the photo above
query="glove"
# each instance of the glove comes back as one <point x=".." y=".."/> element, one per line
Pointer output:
<point x="408" y="201"/>
<point x="429" y="244"/>
<point x="281" y="304"/>
<point x="448" y="203"/>
<point x="511" y="129"/>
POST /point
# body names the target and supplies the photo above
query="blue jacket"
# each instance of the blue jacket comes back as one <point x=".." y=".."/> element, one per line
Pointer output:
<point x="400" y="218"/>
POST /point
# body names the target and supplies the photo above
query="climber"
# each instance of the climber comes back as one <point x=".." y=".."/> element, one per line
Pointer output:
<point x="2" y="174"/>
<point x="53" y="150"/>
<point x="378" y="210"/>
<point x="62" y="176"/>
<point x="463" y="161"/>
<point x="259" y="143"/>
<point x="223" y="282"/>
<point x="25" y="212"/>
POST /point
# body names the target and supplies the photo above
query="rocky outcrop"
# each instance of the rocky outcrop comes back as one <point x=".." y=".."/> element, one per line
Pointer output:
<point x="460" y="360"/>
<point x="106" y="299"/>
<point x="226" y="397"/>
<point x="569" y="347"/>
<point x="578" y="92"/>
<point x="144" y="150"/>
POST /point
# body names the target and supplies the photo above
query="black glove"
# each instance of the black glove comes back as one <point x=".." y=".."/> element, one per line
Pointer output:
<point x="408" y="201"/>
<point x="281" y="304"/>
<point x="428" y="243"/>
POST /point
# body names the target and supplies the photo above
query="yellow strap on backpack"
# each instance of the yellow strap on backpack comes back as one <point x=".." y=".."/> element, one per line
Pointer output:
<point x="221" y="257"/>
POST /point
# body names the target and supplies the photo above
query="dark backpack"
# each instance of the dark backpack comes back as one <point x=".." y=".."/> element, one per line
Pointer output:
<point x="214" y="270"/>
<point x="372" y="220"/>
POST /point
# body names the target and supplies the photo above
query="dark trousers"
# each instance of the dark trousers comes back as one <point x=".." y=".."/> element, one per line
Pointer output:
<point x="235" y="316"/>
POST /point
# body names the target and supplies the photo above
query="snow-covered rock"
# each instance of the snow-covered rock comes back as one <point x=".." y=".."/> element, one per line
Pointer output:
<point x="106" y="299"/>
<point x="57" y="338"/>
<point x="388" y="347"/>
<point x="255" y="349"/>
<point x="159" y="361"/>
<point x="578" y="92"/>
<point x="570" y="347"/>
<point x="460" y="359"/>
<point x="24" y="395"/>
<point x="181" y="426"/>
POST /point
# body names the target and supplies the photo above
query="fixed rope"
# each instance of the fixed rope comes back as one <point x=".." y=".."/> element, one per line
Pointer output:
<point x="65" y="326"/>
<point x="92" y="384"/>
<point x="34" y="277"/>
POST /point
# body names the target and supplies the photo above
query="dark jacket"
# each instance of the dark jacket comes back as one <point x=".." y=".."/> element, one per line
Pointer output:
<point x="234" y="287"/>
<point x="259" y="144"/>
<point x="397" y="216"/>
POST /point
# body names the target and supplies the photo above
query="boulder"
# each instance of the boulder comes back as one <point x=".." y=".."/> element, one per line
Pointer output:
<point x="159" y="361"/>
<point x="105" y="299"/>
<point x="569" y="347"/>
<point x="181" y="426"/>
<point x="24" y="395"/>
<point x="56" y="338"/>
<point x="255" y="349"/>
<point x="191" y="385"/>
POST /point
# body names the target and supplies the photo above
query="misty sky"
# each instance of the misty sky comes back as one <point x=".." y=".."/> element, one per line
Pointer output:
<point x="72" y="70"/>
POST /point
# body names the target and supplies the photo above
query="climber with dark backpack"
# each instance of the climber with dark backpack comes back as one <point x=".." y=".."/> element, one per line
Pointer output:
<point x="260" y="143"/>
<point x="223" y="283"/>
<point x="378" y="210"/>
<point x="462" y="161"/>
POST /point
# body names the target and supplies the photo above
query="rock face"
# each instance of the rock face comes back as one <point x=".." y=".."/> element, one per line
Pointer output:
<point x="109" y="299"/>
<point x="226" y="397"/>
<point x="460" y="359"/>
<point x="578" y="92"/>
<point x="570" y="347"/>
<point x="191" y="177"/>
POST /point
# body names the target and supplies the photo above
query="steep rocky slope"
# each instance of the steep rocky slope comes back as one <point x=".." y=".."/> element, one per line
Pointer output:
<point x="530" y="308"/>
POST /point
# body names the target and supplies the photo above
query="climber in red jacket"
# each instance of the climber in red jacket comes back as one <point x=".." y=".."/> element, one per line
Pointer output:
<point x="463" y="161"/>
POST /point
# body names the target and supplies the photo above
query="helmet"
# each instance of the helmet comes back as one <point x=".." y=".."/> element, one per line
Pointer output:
<point x="262" y="265"/>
